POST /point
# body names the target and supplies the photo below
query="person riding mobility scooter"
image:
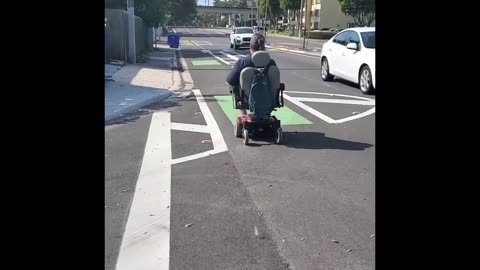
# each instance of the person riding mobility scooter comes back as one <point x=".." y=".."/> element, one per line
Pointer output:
<point x="261" y="92"/>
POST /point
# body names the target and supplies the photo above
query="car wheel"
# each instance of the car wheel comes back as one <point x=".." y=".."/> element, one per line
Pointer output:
<point x="325" y="70"/>
<point x="365" y="80"/>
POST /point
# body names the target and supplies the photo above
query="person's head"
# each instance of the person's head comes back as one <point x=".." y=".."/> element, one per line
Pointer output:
<point x="257" y="43"/>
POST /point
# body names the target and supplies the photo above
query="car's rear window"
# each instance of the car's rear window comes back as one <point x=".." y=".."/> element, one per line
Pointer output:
<point x="368" y="39"/>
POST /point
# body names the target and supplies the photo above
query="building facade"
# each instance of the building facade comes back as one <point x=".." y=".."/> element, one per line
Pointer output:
<point x="327" y="14"/>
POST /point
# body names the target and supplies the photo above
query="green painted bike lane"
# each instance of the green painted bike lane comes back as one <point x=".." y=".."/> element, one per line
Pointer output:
<point x="284" y="114"/>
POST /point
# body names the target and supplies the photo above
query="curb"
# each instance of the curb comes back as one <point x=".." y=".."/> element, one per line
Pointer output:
<point x="184" y="79"/>
<point x="134" y="107"/>
<point x="108" y="77"/>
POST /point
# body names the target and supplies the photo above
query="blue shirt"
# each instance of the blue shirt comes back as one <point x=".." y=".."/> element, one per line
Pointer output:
<point x="233" y="78"/>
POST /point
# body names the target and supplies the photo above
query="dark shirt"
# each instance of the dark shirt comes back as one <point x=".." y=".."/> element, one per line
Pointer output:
<point x="233" y="78"/>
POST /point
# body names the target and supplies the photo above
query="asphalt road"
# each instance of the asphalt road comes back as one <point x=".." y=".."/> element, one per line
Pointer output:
<point x="306" y="204"/>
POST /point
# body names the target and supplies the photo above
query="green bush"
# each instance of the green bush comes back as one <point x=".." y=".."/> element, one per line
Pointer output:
<point x="278" y="32"/>
<point x="321" y="35"/>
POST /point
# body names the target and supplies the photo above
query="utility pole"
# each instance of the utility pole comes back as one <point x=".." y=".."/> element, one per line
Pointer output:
<point x="265" y="24"/>
<point x="132" y="55"/>
<point x="301" y="19"/>
<point x="251" y="14"/>
<point x="257" y="12"/>
<point x="308" y="11"/>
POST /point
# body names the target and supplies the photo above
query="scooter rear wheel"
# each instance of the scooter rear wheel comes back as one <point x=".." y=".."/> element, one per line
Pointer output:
<point x="237" y="130"/>
<point x="278" y="135"/>
<point x="245" y="137"/>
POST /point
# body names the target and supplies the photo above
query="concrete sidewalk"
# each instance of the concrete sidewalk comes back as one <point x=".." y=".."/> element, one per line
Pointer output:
<point x="132" y="87"/>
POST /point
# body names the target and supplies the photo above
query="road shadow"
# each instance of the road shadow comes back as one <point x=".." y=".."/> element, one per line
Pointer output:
<point x="309" y="140"/>
<point x="316" y="140"/>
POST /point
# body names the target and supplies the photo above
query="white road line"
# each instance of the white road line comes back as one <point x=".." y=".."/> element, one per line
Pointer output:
<point x="360" y="115"/>
<point x="241" y="55"/>
<point x="298" y="101"/>
<point x="195" y="156"/>
<point x="198" y="45"/>
<point x="190" y="127"/>
<point x="218" y="142"/>
<point x="219" y="58"/>
<point x="328" y="94"/>
<point x="229" y="55"/>
<point x="216" y="134"/>
<point x="336" y="101"/>
<point x="310" y="109"/>
<point x="146" y="241"/>
<point x="210" y="52"/>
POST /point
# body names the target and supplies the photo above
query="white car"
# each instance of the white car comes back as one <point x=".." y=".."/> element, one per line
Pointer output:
<point x="350" y="55"/>
<point x="240" y="37"/>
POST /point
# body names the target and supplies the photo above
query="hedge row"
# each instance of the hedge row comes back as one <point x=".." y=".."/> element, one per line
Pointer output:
<point x="321" y="35"/>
